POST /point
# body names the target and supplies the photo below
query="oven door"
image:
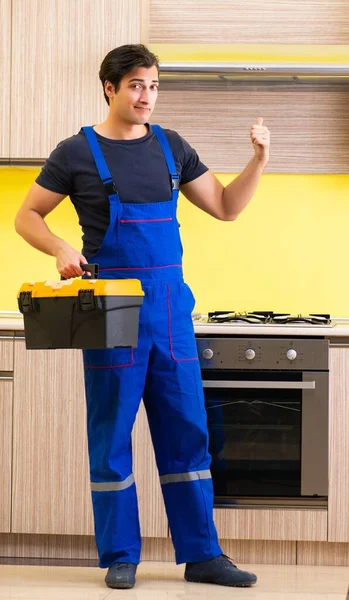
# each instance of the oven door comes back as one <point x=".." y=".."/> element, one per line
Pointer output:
<point x="268" y="433"/>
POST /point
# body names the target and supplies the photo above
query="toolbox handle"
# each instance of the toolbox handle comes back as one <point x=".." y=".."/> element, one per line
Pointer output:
<point x="92" y="268"/>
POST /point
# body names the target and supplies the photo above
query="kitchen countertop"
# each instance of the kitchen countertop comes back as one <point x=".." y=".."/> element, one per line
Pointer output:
<point x="336" y="329"/>
<point x="14" y="322"/>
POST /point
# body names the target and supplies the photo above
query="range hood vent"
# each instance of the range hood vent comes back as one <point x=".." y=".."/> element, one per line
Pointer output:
<point x="254" y="73"/>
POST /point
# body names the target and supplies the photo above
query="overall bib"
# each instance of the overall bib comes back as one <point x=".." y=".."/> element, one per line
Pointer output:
<point x="143" y="242"/>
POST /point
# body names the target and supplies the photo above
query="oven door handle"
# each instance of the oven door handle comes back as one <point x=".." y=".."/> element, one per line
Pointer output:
<point x="260" y="385"/>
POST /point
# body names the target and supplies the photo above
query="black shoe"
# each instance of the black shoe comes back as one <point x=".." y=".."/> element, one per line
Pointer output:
<point x="121" y="575"/>
<point x="220" y="570"/>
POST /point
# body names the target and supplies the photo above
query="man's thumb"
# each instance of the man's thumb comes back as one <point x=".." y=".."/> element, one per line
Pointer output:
<point x="259" y="121"/>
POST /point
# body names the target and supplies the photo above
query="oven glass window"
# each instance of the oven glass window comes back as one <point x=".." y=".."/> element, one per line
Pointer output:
<point x="254" y="436"/>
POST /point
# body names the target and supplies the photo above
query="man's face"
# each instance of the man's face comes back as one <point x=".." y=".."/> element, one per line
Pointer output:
<point x="135" y="99"/>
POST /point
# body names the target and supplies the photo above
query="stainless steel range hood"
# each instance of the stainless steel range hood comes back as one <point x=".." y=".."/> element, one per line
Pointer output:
<point x="263" y="73"/>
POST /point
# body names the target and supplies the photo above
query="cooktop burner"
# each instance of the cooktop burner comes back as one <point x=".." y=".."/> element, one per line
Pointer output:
<point x="267" y="317"/>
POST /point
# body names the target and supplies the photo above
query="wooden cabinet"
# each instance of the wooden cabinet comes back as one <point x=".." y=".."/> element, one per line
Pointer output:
<point x="5" y="77"/>
<point x="6" y="406"/>
<point x="57" y="49"/>
<point x="151" y="506"/>
<point x="50" y="479"/>
<point x="6" y="351"/>
<point x="338" y="498"/>
<point x="6" y="399"/>
<point x="51" y="490"/>
<point x="273" y="524"/>
<point x="222" y="114"/>
<point x="252" y="22"/>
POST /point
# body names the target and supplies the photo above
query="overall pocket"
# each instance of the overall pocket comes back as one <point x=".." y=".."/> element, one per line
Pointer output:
<point x="180" y="304"/>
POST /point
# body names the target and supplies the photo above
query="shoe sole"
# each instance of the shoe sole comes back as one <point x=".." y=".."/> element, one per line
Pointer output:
<point x="120" y="586"/>
<point x="249" y="584"/>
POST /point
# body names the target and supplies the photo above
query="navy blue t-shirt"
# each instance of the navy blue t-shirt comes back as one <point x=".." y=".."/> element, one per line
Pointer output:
<point x="137" y="167"/>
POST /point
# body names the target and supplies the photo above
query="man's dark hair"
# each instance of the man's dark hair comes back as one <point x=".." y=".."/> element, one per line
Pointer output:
<point x="123" y="60"/>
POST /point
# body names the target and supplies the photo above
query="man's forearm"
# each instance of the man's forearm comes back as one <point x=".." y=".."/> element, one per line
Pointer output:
<point x="32" y="227"/>
<point x="239" y="192"/>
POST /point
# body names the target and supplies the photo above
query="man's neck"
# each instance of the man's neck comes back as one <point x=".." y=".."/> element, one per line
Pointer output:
<point x="120" y="131"/>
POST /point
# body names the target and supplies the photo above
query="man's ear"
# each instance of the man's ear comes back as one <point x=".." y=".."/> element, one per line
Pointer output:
<point x="109" y="89"/>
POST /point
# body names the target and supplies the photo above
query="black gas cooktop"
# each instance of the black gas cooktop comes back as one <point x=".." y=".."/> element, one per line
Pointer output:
<point x="267" y="317"/>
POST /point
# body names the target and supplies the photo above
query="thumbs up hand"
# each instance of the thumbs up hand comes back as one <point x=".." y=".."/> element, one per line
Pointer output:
<point x="260" y="138"/>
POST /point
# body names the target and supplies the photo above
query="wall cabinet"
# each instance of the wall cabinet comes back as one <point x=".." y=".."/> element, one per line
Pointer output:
<point x="252" y="22"/>
<point x="57" y="49"/>
<point x="5" y="77"/>
<point x="215" y="118"/>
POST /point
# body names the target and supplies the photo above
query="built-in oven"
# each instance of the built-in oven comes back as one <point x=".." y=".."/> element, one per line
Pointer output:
<point x="267" y="412"/>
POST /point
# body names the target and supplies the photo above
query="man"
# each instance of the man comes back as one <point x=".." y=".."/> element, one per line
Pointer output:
<point x="123" y="177"/>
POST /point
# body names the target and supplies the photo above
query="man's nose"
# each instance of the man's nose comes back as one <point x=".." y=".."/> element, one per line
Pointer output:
<point x="145" y="96"/>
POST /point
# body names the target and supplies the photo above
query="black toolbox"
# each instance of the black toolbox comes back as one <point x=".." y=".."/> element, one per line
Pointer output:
<point x="81" y="313"/>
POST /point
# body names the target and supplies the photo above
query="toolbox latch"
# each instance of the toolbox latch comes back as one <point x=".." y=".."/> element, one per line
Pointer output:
<point x="86" y="300"/>
<point x="26" y="303"/>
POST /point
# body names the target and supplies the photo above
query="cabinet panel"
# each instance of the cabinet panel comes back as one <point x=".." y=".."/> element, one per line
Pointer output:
<point x="338" y="496"/>
<point x="288" y="525"/>
<point x="215" y="118"/>
<point x="151" y="507"/>
<point x="57" y="49"/>
<point x="5" y="70"/>
<point x="51" y="489"/>
<point x="252" y="22"/>
<point x="6" y="401"/>
<point x="6" y="352"/>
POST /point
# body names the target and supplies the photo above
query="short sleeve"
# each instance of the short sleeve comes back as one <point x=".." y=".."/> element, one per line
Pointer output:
<point x="55" y="174"/>
<point x="192" y="165"/>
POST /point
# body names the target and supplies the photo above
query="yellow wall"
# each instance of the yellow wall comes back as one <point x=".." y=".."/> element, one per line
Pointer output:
<point x="286" y="252"/>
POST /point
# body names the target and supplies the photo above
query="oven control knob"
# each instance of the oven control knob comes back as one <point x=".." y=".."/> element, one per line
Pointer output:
<point x="250" y="354"/>
<point x="291" y="354"/>
<point x="208" y="353"/>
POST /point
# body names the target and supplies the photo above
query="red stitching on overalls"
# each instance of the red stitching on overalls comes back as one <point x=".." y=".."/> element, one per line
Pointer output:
<point x="137" y="268"/>
<point x="170" y="331"/>
<point x="114" y="366"/>
<point x="145" y="220"/>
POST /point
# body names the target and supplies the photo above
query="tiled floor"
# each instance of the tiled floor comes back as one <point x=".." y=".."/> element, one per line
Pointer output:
<point x="164" y="581"/>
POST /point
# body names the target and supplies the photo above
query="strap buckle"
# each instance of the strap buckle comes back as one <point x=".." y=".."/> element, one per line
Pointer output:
<point x="110" y="187"/>
<point x="175" y="182"/>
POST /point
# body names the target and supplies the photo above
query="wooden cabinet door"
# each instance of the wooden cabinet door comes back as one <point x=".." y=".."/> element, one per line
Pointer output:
<point x="5" y="77"/>
<point x="6" y="401"/>
<point x="252" y="22"/>
<point x="271" y="524"/>
<point x="6" y="351"/>
<point x="57" y="49"/>
<point x="151" y="507"/>
<point x="51" y="489"/>
<point x="338" y="496"/>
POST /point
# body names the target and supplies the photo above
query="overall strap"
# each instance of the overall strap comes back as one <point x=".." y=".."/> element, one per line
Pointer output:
<point x="101" y="164"/>
<point x="165" y="146"/>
